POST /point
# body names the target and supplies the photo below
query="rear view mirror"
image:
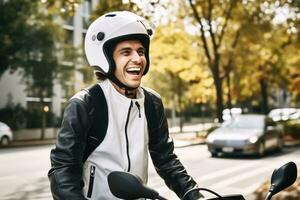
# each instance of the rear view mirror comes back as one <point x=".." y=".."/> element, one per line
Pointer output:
<point x="282" y="178"/>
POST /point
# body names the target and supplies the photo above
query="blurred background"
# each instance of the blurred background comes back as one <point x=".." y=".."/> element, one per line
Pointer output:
<point x="210" y="60"/>
<point x="205" y="56"/>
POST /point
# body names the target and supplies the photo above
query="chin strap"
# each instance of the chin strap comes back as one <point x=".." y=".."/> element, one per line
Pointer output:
<point x="120" y="84"/>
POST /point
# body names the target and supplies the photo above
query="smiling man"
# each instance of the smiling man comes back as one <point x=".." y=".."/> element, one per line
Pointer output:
<point x="130" y="60"/>
<point x="117" y="47"/>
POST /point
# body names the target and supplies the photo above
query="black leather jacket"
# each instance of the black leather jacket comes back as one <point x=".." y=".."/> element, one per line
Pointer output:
<point x="65" y="174"/>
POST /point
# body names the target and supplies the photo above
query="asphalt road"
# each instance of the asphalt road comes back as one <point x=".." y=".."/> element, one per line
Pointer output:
<point x="23" y="171"/>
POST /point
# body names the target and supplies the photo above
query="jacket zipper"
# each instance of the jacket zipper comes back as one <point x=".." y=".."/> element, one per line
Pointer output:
<point x="139" y="108"/>
<point x="126" y="135"/>
<point x="91" y="182"/>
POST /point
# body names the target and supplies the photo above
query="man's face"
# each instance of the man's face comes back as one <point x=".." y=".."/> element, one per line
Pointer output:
<point x="129" y="57"/>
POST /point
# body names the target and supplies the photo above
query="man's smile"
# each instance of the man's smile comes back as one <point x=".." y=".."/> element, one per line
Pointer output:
<point x="134" y="70"/>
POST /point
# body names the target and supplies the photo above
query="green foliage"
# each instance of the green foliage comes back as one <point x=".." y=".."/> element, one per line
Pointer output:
<point x="17" y="117"/>
<point x="28" y="40"/>
<point x="62" y="7"/>
<point x="33" y="119"/>
<point x="14" y="14"/>
<point x="292" y="128"/>
<point x="105" y="6"/>
<point x="14" y="116"/>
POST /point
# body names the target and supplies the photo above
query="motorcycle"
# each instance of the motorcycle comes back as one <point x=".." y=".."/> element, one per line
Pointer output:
<point x="124" y="185"/>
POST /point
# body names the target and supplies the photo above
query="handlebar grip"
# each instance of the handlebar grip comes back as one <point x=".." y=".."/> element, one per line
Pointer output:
<point x="229" y="197"/>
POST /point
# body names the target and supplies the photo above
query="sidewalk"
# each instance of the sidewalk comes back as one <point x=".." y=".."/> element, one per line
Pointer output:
<point x="180" y="140"/>
<point x="27" y="143"/>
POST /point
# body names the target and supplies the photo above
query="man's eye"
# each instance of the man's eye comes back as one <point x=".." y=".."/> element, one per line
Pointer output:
<point x="125" y="53"/>
<point x="141" y="53"/>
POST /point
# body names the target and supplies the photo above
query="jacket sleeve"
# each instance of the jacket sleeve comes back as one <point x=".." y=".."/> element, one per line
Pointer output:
<point x="65" y="174"/>
<point x="166" y="163"/>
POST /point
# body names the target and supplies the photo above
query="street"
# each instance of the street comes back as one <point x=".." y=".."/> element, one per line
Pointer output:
<point x="23" y="171"/>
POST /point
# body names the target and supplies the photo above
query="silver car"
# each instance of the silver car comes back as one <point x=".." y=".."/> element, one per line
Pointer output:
<point x="6" y="135"/>
<point x="283" y="114"/>
<point x="246" y="134"/>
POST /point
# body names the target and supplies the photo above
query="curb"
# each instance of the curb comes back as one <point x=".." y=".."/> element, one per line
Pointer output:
<point x="29" y="143"/>
<point x="186" y="139"/>
<point x="180" y="140"/>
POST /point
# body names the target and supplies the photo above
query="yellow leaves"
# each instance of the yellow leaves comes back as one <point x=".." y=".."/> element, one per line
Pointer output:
<point x="267" y="35"/>
<point x="265" y="53"/>
<point x="174" y="53"/>
<point x="171" y="50"/>
<point x="199" y="94"/>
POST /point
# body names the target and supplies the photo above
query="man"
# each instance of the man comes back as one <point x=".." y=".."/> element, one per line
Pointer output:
<point x="117" y="47"/>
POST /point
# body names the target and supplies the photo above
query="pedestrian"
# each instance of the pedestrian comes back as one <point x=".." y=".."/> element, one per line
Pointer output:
<point x="117" y="47"/>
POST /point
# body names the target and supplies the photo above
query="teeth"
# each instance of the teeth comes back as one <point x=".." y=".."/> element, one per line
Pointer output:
<point x="134" y="69"/>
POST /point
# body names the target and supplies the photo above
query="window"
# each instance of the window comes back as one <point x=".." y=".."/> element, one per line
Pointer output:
<point x="86" y="13"/>
<point x="69" y="37"/>
<point x="69" y="20"/>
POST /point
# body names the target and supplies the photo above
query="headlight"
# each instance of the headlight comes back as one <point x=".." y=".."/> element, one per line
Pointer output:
<point x="253" y="139"/>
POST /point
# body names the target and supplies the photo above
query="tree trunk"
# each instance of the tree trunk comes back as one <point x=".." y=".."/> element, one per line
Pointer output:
<point x="264" y="96"/>
<point x="229" y="104"/>
<point x="181" y="117"/>
<point x="218" y="86"/>
<point x="173" y="112"/>
<point x="219" y="103"/>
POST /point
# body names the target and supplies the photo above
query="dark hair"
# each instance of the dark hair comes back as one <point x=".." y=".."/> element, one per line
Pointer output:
<point x="100" y="76"/>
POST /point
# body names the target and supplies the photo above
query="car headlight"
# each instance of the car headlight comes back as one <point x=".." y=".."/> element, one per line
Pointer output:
<point x="253" y="139"/>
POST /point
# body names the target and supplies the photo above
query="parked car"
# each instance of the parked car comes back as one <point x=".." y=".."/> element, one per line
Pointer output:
<point x="6" y="135"/>
<point x="246" y="134"/>
<point x="283" y="114"/>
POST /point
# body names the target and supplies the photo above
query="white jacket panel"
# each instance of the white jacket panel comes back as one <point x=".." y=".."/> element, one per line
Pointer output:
<point x="116" y="152"/>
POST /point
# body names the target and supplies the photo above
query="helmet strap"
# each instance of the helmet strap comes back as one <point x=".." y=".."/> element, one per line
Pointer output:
<point x="121" y="85"/>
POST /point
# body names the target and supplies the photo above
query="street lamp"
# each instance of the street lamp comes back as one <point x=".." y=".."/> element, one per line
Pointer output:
<point x="46" y="109"/>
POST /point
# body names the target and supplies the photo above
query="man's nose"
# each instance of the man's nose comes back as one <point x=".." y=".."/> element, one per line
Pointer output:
<point x="136" y="57"/>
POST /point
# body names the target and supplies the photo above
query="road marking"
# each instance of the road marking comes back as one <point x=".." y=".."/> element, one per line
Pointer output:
<point x="267" y="168"/>
<point x="224" y="172"/>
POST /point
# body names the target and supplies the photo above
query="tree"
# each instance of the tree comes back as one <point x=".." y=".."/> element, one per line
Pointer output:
<point x="263" y="53"/>
<point x="29" y="41"/>
<point x="213" y="18"/>
<point x="223" y="25"/>
<point x="105" y="6"/>
<point x="63" y="7"/>
<point x="12" y="30"/>
<point x="294" y="78"/>
<point x="175" y="67"/>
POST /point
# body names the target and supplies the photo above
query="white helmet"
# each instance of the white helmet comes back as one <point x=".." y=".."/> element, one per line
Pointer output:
<point x="108" y="30"/>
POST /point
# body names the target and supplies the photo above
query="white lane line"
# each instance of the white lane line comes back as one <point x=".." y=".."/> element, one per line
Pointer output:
<point x="249" y="174"/>
<point x="228" y="170"/>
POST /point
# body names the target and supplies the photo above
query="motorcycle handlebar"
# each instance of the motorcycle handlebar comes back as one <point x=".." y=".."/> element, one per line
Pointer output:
<point x="128" y="186"/>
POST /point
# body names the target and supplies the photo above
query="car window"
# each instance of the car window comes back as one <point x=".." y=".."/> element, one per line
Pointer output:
<point x="245" y="122"/>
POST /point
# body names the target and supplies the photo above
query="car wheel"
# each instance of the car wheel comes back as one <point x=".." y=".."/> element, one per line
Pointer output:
<point x="4" y="141"/>
<point x="261" y="149"/>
